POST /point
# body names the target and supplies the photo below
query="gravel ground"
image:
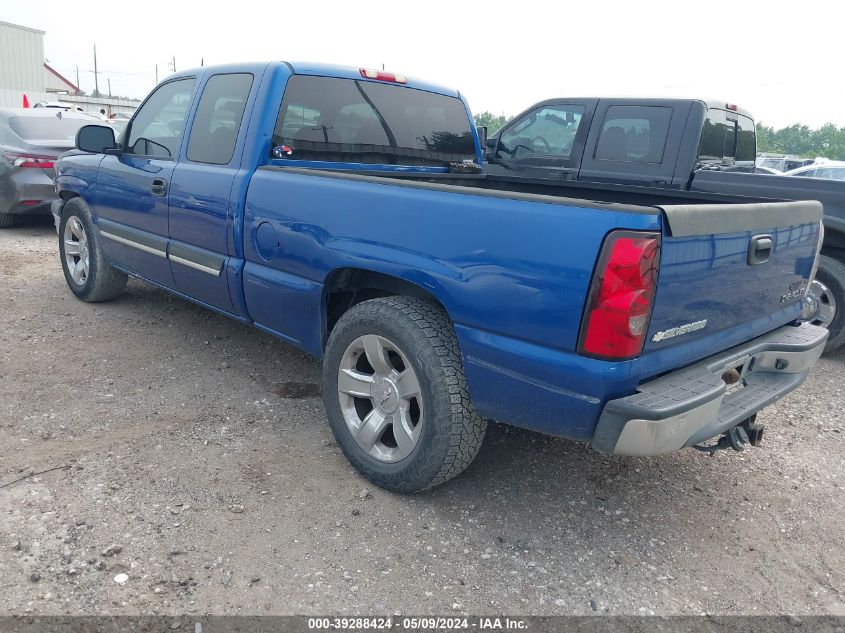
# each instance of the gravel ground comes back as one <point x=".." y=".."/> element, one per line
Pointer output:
<point x="190" y="459"/>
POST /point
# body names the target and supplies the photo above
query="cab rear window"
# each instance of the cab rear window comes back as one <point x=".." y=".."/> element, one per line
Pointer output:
<point x="346" y="120"/>
<point x="727" y="139"/>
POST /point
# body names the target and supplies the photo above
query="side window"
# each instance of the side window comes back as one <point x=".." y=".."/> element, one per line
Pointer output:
<point x="746" y="142"/>
<point x="808" y="173"/>
<point x="634" y="134"/>
<point x="547" y="131"/>
<point x="157" y="127"/>
<point x="218" y="118"/>
<point x="830" y="173"/>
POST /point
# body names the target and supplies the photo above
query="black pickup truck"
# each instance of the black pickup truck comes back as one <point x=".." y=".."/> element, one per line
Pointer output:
<point x="682" y="144"/>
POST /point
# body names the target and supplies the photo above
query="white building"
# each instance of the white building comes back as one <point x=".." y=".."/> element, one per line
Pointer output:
<point x="23" y="71"/>
<point x="21" y="65"/>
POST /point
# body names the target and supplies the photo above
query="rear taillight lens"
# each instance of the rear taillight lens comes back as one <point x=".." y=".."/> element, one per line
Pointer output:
<point x="621" y="296"/>
<point x="29" y="160"/>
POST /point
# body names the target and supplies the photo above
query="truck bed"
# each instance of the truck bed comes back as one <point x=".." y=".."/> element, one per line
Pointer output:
<point x="589" y="195"/>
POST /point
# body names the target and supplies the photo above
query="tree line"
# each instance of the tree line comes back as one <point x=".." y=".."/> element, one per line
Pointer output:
<point x="827" y="141"/>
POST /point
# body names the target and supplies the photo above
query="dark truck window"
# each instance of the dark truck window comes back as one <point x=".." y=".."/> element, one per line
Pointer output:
<point x="634" y="134"/>
<point x="746" y="141"/>
<point x="157" y="126"/>
<point x="546" y="131"/>
<point x="218" y="118"/>
<point x="727" y="138"/>
<point x="346" y="120"/>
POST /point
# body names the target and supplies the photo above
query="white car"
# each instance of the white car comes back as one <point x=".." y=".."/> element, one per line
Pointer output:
<point x="830" y="170"/>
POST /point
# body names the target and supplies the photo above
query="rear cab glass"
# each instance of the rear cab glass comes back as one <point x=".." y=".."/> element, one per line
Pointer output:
<point x="331" y="119"/>
<point x="727" y="139"/>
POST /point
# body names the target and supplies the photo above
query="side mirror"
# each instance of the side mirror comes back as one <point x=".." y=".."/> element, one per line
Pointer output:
<point x="482" y="136"/>
<point x="95" y="138"/>
<point x="492" y="142"/>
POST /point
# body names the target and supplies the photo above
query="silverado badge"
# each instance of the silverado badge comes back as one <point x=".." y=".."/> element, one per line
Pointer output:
<point x="681" y="329"/>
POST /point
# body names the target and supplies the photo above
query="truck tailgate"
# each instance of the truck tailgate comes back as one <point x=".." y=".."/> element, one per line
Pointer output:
<point x="731" y="269"/>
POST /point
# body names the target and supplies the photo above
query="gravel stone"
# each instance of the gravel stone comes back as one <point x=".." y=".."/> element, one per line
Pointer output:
<point x="758" y="532"/>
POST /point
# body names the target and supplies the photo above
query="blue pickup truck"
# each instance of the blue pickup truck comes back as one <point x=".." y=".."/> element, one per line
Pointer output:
<point x="341" y="210"/>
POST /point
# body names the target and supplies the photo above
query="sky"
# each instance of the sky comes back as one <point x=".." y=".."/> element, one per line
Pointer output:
<point x="783" y="61"/>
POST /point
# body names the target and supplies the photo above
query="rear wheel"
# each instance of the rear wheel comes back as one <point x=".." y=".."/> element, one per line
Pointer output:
<point x="829" y="295"/>
<point x="89" y="276"/>
<point x="396" y="395"/>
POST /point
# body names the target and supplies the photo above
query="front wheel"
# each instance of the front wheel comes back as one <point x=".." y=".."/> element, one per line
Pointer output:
<point x="396" y="396"/>
<point x="89" y="276"/>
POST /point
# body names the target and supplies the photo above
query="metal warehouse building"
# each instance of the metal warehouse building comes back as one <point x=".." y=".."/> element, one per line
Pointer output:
<point x="21" y="64"/>
<point x="23" y="71"/>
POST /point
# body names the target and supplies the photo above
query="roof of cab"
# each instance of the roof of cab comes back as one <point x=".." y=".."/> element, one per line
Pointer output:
<point x="646" y="101"/>
<point x="351" y="72"/>
<point x="316" y="69"/>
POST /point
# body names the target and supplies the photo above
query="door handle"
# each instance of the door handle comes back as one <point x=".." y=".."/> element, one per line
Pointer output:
<point x="759" y="250"/>
<point x="159" y="187"/>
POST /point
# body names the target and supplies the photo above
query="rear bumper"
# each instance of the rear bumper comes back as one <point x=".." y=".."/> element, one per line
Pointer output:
<point x="694" y="404"/>
<point x="26" y="192"/>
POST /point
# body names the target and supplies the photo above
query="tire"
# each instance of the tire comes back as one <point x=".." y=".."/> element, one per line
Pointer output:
<point x="447" y="433"/>
<point x="831" y="273"/>
<point x="98" y="280"/>
<point x="7" y="220"/>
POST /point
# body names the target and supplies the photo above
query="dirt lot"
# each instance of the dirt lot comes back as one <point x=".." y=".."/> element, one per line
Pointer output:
<point x="190" y="453"/>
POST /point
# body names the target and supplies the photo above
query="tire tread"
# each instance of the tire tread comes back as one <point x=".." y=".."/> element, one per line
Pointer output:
<point x="466" y="429"/>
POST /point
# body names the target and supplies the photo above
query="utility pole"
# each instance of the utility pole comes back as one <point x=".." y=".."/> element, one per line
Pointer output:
<point x="202" y="61"/>
<point x="109" y="87"/>
<point x="156" y="74"/>
<point x="78" y="87"/>
<point x="96" y="82"/>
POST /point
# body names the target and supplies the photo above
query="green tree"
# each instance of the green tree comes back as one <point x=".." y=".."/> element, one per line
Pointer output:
<point x="827" y="141"/>
<point x="493" y="122"/>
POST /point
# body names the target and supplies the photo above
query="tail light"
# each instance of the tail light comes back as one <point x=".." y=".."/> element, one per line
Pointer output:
<point x="621" y="296"/>
<point x="380" y="75"/>
<point x="29" y="160"/>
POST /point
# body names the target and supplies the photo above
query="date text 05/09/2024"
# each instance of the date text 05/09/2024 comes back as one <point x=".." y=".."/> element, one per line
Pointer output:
<point x="430" y="623"/>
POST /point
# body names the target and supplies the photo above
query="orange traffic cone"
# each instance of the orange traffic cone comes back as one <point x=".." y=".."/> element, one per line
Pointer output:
<point x="25" y="102"/>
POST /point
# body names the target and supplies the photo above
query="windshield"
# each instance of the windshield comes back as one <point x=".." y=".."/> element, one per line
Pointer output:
<point x="331" y="119"/>
<point x="48" y="128"/>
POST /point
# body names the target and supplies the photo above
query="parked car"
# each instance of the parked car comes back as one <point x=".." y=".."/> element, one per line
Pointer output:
<point x="30" y="141"/>
<point x="336" y="208"/>
<point x="783" y="162"/>
<point x="830" y="170"/>
<point x="679" y="144"/>
<point x="58" y="105"/>
<point x="758" y="169"/>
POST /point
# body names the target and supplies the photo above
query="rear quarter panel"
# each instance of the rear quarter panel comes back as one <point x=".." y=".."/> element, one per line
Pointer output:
<point x="512" y="274"/>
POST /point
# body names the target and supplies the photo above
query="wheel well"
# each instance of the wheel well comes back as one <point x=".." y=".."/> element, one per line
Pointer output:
<point x="349" y="286"/>
<point x="834" y="243"/>
<point x="67" y="195"/>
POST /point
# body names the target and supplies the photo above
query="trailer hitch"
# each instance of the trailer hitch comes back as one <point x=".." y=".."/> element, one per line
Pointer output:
<point x="746" y="433"/>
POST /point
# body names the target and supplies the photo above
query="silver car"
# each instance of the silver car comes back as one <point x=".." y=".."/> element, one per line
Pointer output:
<point x="30" y="142"/>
